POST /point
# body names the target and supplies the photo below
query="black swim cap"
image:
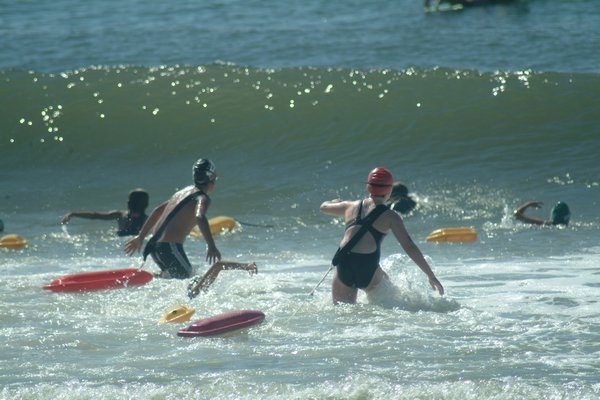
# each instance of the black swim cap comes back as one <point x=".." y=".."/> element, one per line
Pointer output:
<point x="399" y="190"/>
<point x="204" y="172"/>
<point x="561" y="214"/>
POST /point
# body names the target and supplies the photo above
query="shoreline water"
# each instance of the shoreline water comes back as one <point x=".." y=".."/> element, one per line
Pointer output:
<point x="457" y="106"/>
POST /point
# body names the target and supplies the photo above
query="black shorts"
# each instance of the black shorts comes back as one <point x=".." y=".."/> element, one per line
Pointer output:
<point x="171" y="258"/>
<point x="356" y="270"/>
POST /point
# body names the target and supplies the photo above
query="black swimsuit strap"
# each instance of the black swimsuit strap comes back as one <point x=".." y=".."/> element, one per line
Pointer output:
<point x="154" y="239"/>
<point x="364" y="227"/>
<point x="357" y="219"/>
<point x="175" y="210"/>
<point x="359" y="214"/>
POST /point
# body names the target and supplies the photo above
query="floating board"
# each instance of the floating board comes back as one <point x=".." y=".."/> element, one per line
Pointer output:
<point x="217" y="225"/>
<point x="111" y="279"/>
<point x="13" y="242"/>
<point x="223" y="323"/>
<point x="461" y="234"/>
<point x="177" y="313"/>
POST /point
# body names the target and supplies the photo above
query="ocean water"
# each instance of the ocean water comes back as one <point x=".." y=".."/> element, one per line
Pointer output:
<point x="476" y="111"/>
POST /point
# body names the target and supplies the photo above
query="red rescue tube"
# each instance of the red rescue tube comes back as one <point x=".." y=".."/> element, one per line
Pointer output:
<point x="223" y="323"/>
<point x="110" y="279"/>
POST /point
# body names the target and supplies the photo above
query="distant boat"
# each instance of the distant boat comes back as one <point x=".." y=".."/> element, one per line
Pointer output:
<point x="458" y="5"/>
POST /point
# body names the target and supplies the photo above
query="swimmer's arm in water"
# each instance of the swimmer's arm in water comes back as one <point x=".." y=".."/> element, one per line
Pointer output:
<point x="111" y="215"/>
<point x="520" y="213"/>
<point x="212" y="273"/>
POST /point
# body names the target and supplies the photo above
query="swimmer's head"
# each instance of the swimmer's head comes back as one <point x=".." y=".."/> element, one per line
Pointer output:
<point x="138" y="200"/>
<point x="379" y="182"/>
<point x="204" y="172"/>
<point x="399" y="190"/>
<point x="561" y="214"/>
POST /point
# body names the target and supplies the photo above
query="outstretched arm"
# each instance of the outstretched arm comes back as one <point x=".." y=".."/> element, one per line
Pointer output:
<point x="135" y="244"/>
<point x="414" y="252"/>
<point x="334" y="207"/>
<point x="92" y="215"/>
<point x="209" y="277"/>
<point x="520" y="213"/>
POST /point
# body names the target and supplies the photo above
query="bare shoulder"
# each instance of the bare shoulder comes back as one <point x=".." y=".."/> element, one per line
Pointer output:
<point x="181" y="194"/>
<point x="394" y="219"/>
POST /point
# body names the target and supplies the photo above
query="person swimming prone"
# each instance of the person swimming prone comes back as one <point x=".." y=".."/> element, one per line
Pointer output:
<point x="560" y="214"/>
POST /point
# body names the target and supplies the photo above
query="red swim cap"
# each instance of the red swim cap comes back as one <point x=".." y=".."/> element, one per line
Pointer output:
<point x="380" y="182"/>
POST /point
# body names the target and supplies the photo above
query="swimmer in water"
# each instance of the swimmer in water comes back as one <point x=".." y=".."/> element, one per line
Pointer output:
<point x="129" y="222"/>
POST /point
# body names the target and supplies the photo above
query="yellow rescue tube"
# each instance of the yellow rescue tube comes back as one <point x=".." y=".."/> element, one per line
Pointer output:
<point x="13" y="242"/>
<point x="461" y="234"/>
<point x="217" y="225"/>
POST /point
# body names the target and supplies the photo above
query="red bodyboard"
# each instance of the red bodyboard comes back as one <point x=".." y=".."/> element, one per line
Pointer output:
<point x="111" y="279"/>
<point x="223" y="323"/>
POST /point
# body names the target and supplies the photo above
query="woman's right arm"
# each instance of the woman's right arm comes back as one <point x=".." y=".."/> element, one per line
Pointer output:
<point x="335" y="207"/>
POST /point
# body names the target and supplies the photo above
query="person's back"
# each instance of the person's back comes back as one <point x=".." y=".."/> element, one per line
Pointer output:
<point x="368" y="243"/>
<point x="183" y="222"/>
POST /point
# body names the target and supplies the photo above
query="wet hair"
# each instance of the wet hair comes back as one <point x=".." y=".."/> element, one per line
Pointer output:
<point x="138" y="200"/>
<point x="561" y="214"/>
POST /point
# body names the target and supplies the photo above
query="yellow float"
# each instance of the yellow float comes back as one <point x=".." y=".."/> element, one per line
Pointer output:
<point x="217" y="225"/>
<point x="177" y="313"/>
<point x="12" y="241"/>
<point x="460" y="234"/>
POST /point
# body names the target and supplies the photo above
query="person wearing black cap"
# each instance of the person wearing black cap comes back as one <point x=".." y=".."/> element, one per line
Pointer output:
<point x="172" y="221"/>
<point x="129" y="222"/>
<point x="560" y="215"/>
<point x="367" y="222"/>
<point x="400" y="200"/>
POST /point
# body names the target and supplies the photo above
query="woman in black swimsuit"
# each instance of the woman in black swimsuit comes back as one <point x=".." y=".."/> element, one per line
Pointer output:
<point x="359" y="268"/>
